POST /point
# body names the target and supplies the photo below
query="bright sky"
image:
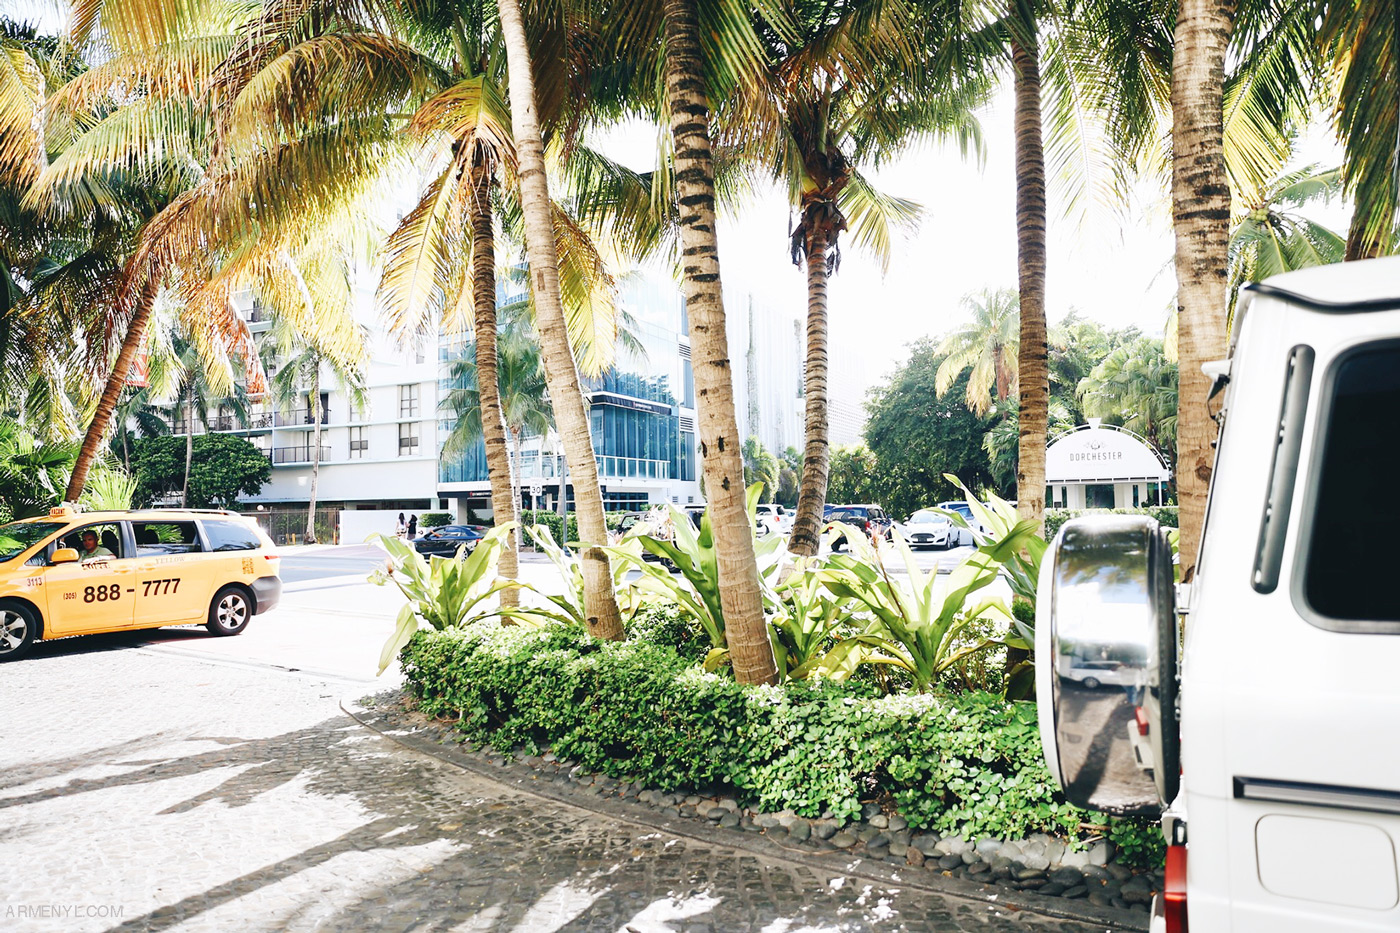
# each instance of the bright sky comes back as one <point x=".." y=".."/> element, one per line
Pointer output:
<point x="1116" y="268"/>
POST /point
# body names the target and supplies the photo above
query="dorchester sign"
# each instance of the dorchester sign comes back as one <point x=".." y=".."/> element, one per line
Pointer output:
<point x="1098" y="453"/>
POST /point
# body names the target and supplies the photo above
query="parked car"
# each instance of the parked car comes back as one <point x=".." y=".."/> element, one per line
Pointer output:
<point x="963" y="536"/>
<point x="1266" y="737"/>
<point x="870" y="518"/>
<point x="445" y="541"/>
<point x="927" y="529"/>
<point x="777" y="517"/>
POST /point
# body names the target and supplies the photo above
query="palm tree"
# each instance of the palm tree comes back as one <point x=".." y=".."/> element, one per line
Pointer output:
<point x="194" y="395"/>
<point x="177" y="102"/>
<point x="1201" y="215"/>
<point x="522" y="394"/>
<point x="300" y="361"/>
<point x="1136" y="386"/>
<point x="1267" y="239"/>
<point x="823" y="112"/>
<point x="1032" y="367"/>
<point x="1358" y="40"/>
<point x="988" y="345"/>
<point x="685" y="67"/>
<point x="561" y="370"/>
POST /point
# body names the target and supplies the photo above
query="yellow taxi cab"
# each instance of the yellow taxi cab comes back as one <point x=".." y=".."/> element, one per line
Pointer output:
<point x="75" y="573"/>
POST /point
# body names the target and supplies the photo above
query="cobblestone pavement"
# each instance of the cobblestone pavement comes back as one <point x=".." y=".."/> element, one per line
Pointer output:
<point x="144" y="791"/>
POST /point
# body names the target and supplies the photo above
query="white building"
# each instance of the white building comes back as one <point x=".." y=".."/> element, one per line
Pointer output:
<point x="1100" y="466"/>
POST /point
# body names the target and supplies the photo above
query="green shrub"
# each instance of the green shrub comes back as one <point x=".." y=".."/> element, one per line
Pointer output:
<point x="1054" y="518"/>
<point x="551" y="520"/>
<point x="435" y="519"/>
<point x="641" y="710"/>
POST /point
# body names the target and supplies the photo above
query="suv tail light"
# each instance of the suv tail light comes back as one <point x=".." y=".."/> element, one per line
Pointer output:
<point x="1174" y="890"/>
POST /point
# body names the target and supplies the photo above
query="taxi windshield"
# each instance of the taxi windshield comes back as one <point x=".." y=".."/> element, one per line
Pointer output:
<point x="17" y="538"/>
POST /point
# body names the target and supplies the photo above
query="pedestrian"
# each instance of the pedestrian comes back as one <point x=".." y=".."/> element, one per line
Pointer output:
<point x="412" y="527"/>
<point x="400" y="529"/>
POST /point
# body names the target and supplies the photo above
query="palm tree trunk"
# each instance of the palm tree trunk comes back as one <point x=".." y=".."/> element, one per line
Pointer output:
<point x="500" y="470"/>
<point x="313" y="402"/>
<point x="1360" y="244"/>
<point x="1033" y="369"/>
<point x="561" y="371"/>
<point x="816" y="457"/>
<point x="1201" y="216"/>
<point x="189" y="442"/>
<point x="116" y="381"/>
<point x="746" y="632"/>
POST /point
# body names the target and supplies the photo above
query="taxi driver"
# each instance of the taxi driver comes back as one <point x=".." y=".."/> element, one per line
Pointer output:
<point x="92" y="548"/>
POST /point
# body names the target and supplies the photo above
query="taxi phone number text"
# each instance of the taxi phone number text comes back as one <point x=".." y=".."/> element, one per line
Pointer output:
<point x="102" y="594"/>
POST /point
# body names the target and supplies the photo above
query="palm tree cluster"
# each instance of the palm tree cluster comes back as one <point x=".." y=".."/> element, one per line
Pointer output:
<point x="165" y="156"/>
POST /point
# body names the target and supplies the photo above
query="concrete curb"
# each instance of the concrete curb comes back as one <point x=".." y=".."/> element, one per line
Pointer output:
<point x="509" y="773"/>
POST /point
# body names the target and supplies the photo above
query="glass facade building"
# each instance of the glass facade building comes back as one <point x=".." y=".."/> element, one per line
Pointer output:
<point x="641" y="414"/>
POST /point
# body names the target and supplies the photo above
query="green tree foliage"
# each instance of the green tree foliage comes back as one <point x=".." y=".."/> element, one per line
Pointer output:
<point x="854" y="472"/>
<point x="760" y="466"/>
<point x="32" y="474"/>
<point x="1135" y="386"/>
<point x="917" y="435"/>
<point x="223" y="468"/>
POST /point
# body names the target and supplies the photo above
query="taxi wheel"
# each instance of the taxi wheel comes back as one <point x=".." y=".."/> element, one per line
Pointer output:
<point x="230" y="611"/>
<point x="17" y="630"/>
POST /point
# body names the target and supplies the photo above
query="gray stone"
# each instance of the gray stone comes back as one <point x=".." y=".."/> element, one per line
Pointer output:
<point x="843" y="840"/>
<point x="867" y="833"/>
<point x="914" y="857"/>
<point x="1095" y="873"/>
<point x="1075" y="892"/>
<point x="1037" y="862"/>
<point x="766" y="821"/>
<point x="926" y="843"/>
<point x="1025" y="874"/>
<point x="1069" y="877"/>
<point x="899" y="849"/>
<point x="1100" y="899"/>
<point x="1051" y="889"/>
<point x="879" y="821"/>
<point x="988" y="848"/>
<point x="824" y="829"/>
<point x="1075" y="859"/>
<point x="1101" y="853"/>
<point x="1033" y="847"/>
<point x="1120" y="872"/>
<point x="1010" y="850"/>
<point x="716" y="813"/>
<point x="869" y="810"/>
<point x="1054" y="851"/>
<point x="949" y="862"/>
<point x="969" y="856"/>
<point x="729" y="821"/>
<point x="879" y="839"/>
<point x="896" y="823"/>
<point x="800" y="831"/>
<point x="729" y="803"/>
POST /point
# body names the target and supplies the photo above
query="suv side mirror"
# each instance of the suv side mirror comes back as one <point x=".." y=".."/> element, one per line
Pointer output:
<point x="64" y="555"/>
<point x="1106" y="677"/>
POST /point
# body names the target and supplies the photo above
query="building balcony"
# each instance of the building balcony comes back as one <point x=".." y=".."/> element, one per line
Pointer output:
<point x="300" y="416"/>
<point x="633" y="468"/>
<point x="282" y="455"/>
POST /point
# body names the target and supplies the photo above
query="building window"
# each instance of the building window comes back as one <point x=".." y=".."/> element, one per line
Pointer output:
<point x="408" y="440"/>
<point x="408" y="401"/>
<point x="358" y="443"/>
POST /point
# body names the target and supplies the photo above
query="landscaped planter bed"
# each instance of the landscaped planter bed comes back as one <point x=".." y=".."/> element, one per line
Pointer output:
<point x="947" y="784"/>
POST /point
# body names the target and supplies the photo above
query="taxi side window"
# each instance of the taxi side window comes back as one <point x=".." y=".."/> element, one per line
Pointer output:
<point x="159" y="538"/>
<point x="230" y="536"/>
<point x="95" y="542"/>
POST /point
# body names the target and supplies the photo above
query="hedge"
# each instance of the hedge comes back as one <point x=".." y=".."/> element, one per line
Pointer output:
<point x="1054" y="518"/>
<point x="435" y="519"/>
<point x="639" y="710"/>
<point x="551" y="520"/>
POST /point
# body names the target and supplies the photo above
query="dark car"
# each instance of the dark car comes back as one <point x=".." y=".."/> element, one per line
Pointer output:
<point x="871" y="518"/>
<point x="445" y="541"/>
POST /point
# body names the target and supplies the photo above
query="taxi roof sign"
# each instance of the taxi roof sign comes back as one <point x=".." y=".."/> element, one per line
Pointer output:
<point x="62" y="511"/>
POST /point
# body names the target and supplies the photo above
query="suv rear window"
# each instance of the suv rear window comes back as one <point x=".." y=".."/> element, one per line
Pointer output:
<point x="1354" y="510"/>
<point x="230" y="536"/>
